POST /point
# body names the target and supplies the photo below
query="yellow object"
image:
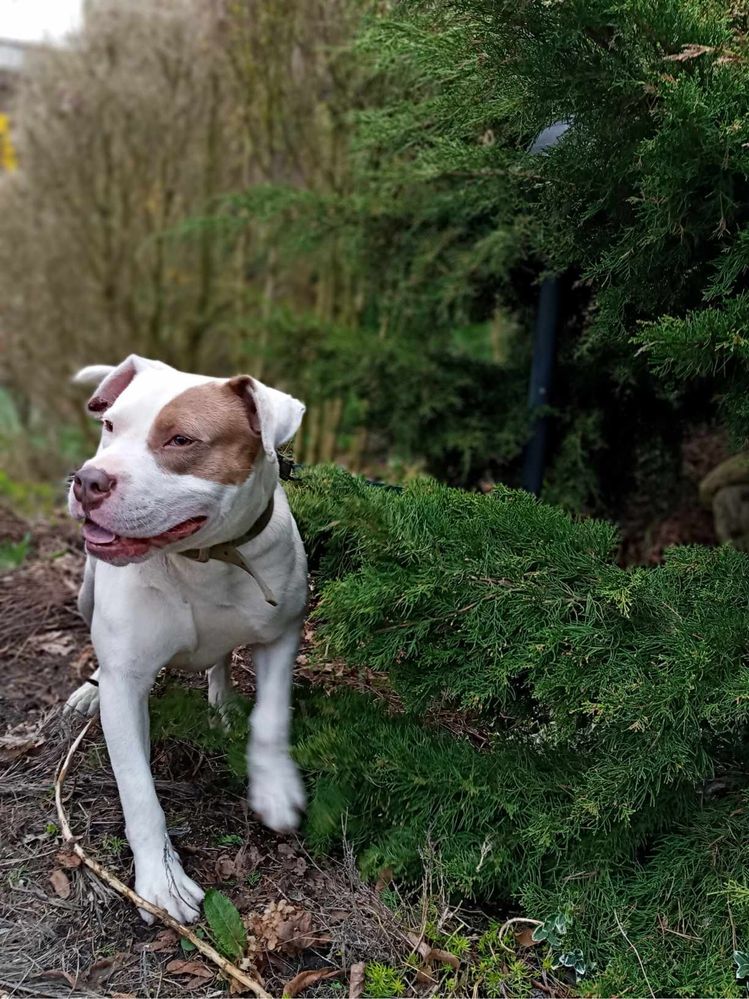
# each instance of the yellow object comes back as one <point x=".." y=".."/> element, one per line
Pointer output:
<point x="8" y="160"/>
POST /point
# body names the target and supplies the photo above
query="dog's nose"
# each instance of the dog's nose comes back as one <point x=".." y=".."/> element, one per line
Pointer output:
<point x="91" y="486"/>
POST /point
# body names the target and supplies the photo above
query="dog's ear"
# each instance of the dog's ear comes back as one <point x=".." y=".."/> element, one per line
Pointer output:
<point x="94" y="374"/>
<point x="274" y="416"/>
<point x="111" y="381"/>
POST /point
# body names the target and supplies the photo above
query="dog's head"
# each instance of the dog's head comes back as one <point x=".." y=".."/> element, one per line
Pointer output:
<point x="178" y="458"/>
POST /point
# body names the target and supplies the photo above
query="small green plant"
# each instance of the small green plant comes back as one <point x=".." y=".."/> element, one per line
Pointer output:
<point x="253" y="879"/>
<point x="52" y="829"/>
<point x="230" y="839"/>
<point x="497" y="971"/>
<point x="187" y="945"/>
<point x="455" y="943"/>
<point x="382" y="982"/>
<point x="225" y="924"/>
<point x="13" y="553"/>
<point x="113" y="844"/>
<point x="501" y="974"/>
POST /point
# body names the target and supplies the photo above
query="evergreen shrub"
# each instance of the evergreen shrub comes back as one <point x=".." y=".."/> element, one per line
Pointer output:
<point x="447" y="221"/>
<point x="604" y="768"/>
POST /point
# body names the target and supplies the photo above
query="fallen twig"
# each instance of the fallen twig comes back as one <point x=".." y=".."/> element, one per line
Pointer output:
<point x="637" y="955"/>
<point x="119" y="886"/>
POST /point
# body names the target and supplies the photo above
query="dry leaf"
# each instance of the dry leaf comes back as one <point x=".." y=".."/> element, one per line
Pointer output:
<point x="306" y="978"/>
<point x="225" y="867"/>
<point x="20" y="740"/>
<point x="67" y="859"/>
<point x="60" y="882"/>
<point x="356" y="980"/>
<point x="165" y="940"/>
<point x="193" y="984"/>
<point x="444" y="957"/>
<point x="283" y="927"/>
<point x="299" y="866"/>
<point x="420" y="945"/>
<point x="429" y="954"/>
<point x="246" y="859"/>
<point x="81" y="665"/>
<point x="195" y="968"/>
<point x="53" y="643"/>
<point x="525" y="938"/>
<point x="424" y="976"/>
<point x="104" y="968"/>
<point x="689" y="52"/>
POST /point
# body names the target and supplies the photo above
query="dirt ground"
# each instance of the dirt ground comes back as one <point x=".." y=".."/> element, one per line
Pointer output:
<point x="63" y="932"/>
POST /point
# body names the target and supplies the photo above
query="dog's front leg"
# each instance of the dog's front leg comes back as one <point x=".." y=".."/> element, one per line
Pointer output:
<point x="159" y="876"/>
<point x="276" y="790"/>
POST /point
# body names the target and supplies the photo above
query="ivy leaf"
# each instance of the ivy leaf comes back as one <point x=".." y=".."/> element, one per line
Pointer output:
<point x="573" y="959"/>
<point x="226" y="924"/>
<point x="551" y="931"/>
<point x="741" y="960"/>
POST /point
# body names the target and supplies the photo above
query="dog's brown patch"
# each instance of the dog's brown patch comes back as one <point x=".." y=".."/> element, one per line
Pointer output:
<point x="216" y="418"/>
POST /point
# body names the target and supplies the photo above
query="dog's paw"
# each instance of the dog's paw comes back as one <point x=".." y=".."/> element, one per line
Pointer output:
<point x="83" y="701"/>
<point x="164" y="883"/>
<point x="276" y="791"/>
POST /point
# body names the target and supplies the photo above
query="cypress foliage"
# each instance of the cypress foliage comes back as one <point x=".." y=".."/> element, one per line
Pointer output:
<point x="612" y="706"/>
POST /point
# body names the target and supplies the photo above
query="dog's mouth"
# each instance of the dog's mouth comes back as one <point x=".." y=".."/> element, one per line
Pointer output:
<point x="106" y="545"/>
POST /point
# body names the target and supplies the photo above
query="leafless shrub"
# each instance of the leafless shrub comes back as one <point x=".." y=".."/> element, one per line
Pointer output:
<point x="127" y="139"/>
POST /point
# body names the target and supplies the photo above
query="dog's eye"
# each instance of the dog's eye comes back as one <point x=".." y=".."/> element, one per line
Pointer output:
<point x="108" y="425"/>
<point x="179" y="440"/>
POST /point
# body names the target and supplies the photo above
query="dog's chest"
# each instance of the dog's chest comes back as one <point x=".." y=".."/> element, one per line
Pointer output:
<point x="221" y="622"/>
<point x="228" y="610"/>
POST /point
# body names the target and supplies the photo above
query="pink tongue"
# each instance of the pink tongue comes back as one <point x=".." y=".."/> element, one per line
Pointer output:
<point x="97" y="535"/>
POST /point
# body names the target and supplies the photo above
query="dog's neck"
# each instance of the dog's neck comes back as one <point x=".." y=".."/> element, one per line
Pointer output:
<point x="254" y="497"/>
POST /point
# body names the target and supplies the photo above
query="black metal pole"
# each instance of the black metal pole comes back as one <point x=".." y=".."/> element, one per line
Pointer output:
<point x="544" y="342"/>
<point x="539" y="392"/>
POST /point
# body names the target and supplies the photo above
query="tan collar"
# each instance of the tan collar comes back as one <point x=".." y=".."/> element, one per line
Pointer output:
<point x="228" y="551"/>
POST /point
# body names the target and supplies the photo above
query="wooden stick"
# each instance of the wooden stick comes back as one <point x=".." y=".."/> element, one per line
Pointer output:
<point x="637" y="955"/>
<point x="119" y="886"/>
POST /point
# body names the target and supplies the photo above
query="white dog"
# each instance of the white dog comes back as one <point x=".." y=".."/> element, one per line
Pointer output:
<point x="192" y="551"/>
